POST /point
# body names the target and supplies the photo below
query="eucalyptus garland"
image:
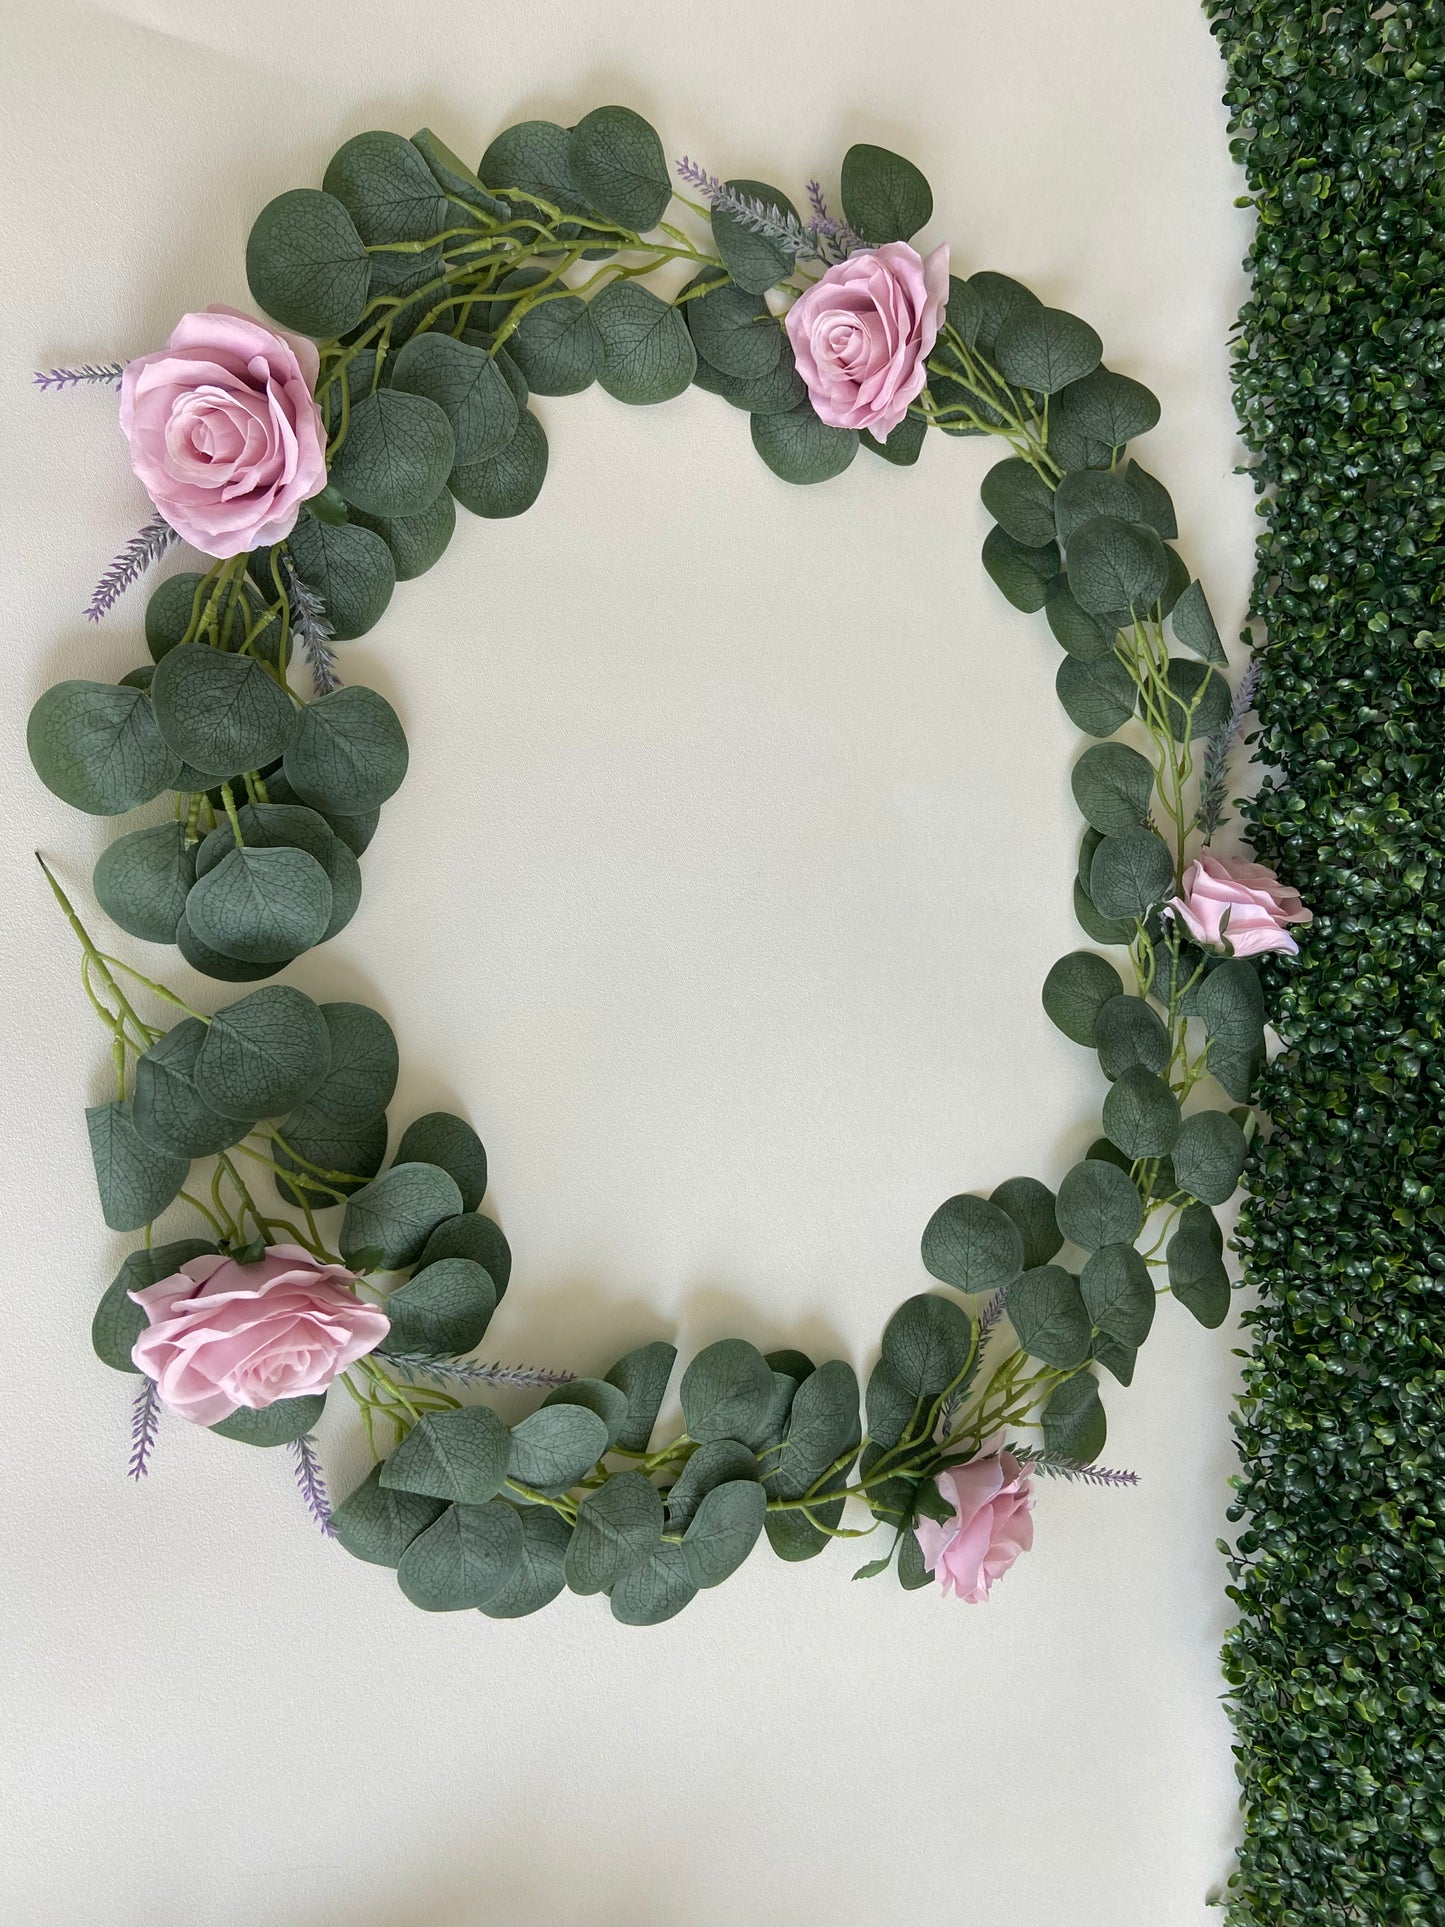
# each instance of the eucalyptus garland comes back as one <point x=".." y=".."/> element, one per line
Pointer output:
<point x="419" y="307"/>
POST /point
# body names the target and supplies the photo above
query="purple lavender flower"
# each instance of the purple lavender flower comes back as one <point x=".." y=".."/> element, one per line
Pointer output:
<point x="821" y="239"/>
<point x="311" y="1482"/>
<point x="465" y="1371"/>
<point x="146" y="546"/>
<point x="1054" y="1466"/>
<point x="54" y="379"/>
<point x="312" y="630"/>
<point x="145" y="1418"/>
<point x="1214" y="776"/>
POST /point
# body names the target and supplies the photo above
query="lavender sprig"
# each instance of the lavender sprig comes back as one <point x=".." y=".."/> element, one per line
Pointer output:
<point x="146" y="546"/>
<point x="311" y="1482"/>
<point x="53" y="379"/>
<point x="988" y="1320"/>
<point x="466" y="1371"/>
<point x="820" y="240"/>
<point x="313" y="631"/>
<point x="1054" y="1466"/>
<point x="1214" y="777"/>
<point x="145" y="1418"/>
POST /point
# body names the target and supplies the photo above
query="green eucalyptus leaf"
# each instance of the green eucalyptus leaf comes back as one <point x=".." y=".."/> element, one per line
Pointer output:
<point x="1230" y="1001"/>
<point x="1115" y="564"/>
<point x="135" y="1180"/>
<point x="214" y="963"/>
<point x="168" y="612"/>
<point x="913" y="1575"/>
<point x="1020" y="501"/>
<point x="119" y="1320"/>
<point x="260" y="904"/>
<point x="1099" y="1205"/>
<point x="617" y="163"/>
<point x="469" y="388"/>
<point x="1113" y="786"/>
<point x="727" y="1391"/>
<point x="1023" y="573"/>
<point x="1130" y="1034"/>
<point x="926" y="1343"/>
<point x="1076" y="990"/>
<point x="349" y="567"/>
<point x="442" y="1311"/>
<point x="96" y="746"/>
<point x="268" y="826"/>
<point x="556" y="345"/>
<point x="1209" y="1156"/>
<point x="642" y="1374"/>
<point x="1119" y="1293"/>
<point x="1088" y="493"/>
<point x="1154" y="502"/>
<point x="724" y="1530"/>
<point x="142" y="879"/>
<point x="470" y="1235"/>
<point x="556" y="1446"/>
<point x="399" y="447"/>
<point x="539" y="1576"/>
<point x="991" y="303"/>
<point x="719" y="1462"/>
<point x="1141" y="1114"/>
<point x="455" y="178"/>
<point x="1031" y="1206"/>
<point x="902" y="445"/>
<point x="598" y="1396"/>
<point x="387" y="188"/>
<point x="167" y="1109"/>
<point x="1073" y="1420"/>
<point x="377" y="1524"/>
<point x="306" y="264"/>
<point x="618" y="1525"/>
<point x="1130" y="874"/>
<point x="823" y="1428"/>
<point x="361" y="1075"/>
<point x="655" y="1589"/>
<point x="799" y="448"/>
<point x="220" y="713"/>
<point x="1044" y="349"/>
<point x="885" y="198"/>
<point x="734" y="332"/>
<point x="1094" y="416"/>
<point x="1099" y="928"/>
<point x="391" y="1219"/>
<point x="509" y="482"/>
<point x="460" y="1456"/>
<point x="1115" y="1357"/>
<point x="350" y="1155"/>
<point x="1194" y="625"/>
<point x="415" y="541"/>
<point x="1195" y="1257"/>
<point x="1049" y="1317"/>
<point x="1090" y="638"/>
<point x="349" y="752"/>
<point x="794" y="1537"/>
<point x="443" y="1139"/>
<point x="532" y="157"/>
<point x="1098" y="696"/>
<point x="279" y="1423"/>
<point x="647" y="352"/>
<point x="264" y="1054"/>
<point x="461" y="1561"/>
<point x="972" y="1244"/>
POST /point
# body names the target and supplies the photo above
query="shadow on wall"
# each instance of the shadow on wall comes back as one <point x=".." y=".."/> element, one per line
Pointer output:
<point x="536" y="1888"/>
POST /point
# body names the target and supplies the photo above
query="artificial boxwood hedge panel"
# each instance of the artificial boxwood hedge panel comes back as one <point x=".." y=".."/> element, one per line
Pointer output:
<point x="1337" y="1665"/>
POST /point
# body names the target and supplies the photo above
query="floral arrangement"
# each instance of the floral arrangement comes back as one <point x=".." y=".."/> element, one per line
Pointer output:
<point x="416" y="306"/>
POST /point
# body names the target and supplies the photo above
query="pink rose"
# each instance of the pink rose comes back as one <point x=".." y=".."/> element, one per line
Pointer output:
<point x="223" y="430"/>
<point x="223" y="1334"/>
<point x="1258" y="905"/>
<point x="862" y="334"/>
<point x="992" y="1498"/>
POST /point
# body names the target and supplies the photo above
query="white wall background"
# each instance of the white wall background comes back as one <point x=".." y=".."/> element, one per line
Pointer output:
<point x="737" y="843"/>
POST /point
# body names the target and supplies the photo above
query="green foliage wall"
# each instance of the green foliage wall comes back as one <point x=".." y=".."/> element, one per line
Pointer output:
<point x="1337" y="1666"/>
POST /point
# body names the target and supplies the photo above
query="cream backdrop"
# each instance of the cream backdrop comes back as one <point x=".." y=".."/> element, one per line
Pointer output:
<point x="736" y="845"/>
